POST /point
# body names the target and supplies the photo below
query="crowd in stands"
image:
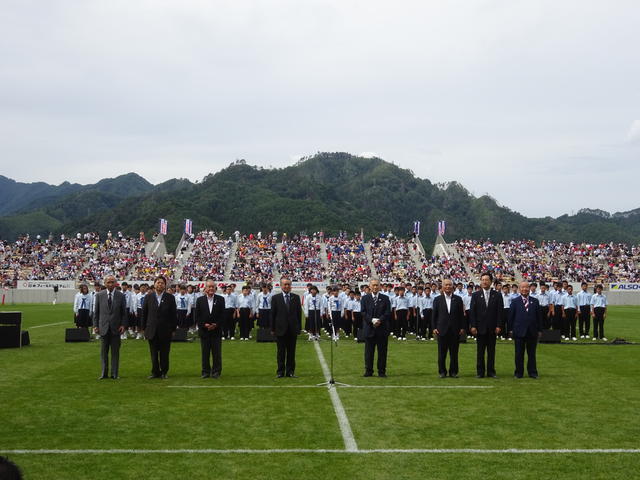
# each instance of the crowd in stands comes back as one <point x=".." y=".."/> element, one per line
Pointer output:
<point x="208" y="259"/>
<point x="483" y="256"/>
<point x="392" y="259"/>
<point x="89" y="258"/>
<point x="255" y="258"/>
<point x="301" y="260"/>
<point x="347" y="259"/>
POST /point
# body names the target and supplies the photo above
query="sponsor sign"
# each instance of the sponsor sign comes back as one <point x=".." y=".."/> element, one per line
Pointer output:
<point x="27" y="284"/>
<point x="624" y="287"/>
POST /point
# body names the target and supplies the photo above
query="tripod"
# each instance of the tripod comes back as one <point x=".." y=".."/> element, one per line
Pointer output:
<point x="331" y="382"/>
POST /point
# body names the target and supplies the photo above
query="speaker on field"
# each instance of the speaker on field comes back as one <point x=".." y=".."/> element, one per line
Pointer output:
<point x="264" y="335"/>
<point x="550" y="336"/>
<point x="360" y="335"/>
<point x="10" y="331"/>
<point x="25" y="339"/>
<point x="76" y="335"/>
<point x="180" y="335"/>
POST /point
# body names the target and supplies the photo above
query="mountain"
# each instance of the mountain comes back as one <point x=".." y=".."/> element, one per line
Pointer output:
<point x="328" y="191"/>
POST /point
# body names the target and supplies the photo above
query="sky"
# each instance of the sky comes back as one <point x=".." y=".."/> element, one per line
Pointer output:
<point x="536" y="103"/>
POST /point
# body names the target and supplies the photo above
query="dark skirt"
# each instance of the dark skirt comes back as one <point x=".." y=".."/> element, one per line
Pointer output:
<point x="264" y="321"/>
<point x="83" y="319"/>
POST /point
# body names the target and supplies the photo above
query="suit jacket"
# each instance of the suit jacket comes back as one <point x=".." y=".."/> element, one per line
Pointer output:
<point x="159" y="320"/>
<point x="202" y="315"/>
<point x="446" y="321"/>
<point x="283" y="318"/>
<point x="486" y="318"/>
<point x="110" y="319"/>
<point x="525" y="323"/>
<point x="380" y="309"/>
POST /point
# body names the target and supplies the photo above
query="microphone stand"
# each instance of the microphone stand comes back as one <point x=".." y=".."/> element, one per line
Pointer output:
<point x="331" y="382"/>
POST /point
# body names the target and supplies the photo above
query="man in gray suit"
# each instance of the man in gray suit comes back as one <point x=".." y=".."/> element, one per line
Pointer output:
<point x="110" y="321"/>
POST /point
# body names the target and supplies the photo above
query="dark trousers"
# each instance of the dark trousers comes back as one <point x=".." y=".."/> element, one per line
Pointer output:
<point x="448" y="343"/>
<point x="486" y="343"/>
<point x="556" y="323"/>
<point x="265" y="317"/>
<point x="347" y="323"/>
<point x="159" y="348"/>
<point x="546" y="321"/>
<point x="314" y="321"/>
<point x="245" y="322"/>
<point x="421" y="330"/>
<point x="211" y="347"/>
<point x="411" y="322"/>
<point x="357" y="322"/>
<point x="529" y="344"/>
<point x="336" y="320"/>
<point x="380" y="341"/>
<point x="110" y="342"/>
<point x="182" y="319"/>
<point x="229" y="323"/>
<point x="570" y="322"/>
<point x="287" y="353"/>
<point x="428" y="316"/>
<point x="598" y="322"/>
<point x="585" y="320"/>
<point x="401" y="323"/>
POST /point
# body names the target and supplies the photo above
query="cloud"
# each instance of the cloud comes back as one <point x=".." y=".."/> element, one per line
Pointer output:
<point x="633" y="136"/>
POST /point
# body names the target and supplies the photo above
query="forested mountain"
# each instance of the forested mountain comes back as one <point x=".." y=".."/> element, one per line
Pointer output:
<point x="329" y="192"/>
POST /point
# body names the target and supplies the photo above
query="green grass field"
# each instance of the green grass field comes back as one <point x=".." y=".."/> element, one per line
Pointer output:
<point x="587" y="397"/>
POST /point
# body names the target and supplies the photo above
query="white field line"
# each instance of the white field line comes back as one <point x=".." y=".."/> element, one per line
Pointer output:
<point x="47" y="325"/>
<point x="514" y="451"/>
<point x="438" y="387"/>
<point x="350" y="444"/>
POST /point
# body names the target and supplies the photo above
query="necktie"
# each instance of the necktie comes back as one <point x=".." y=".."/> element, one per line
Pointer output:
<point x="286" y="300"/>
<point x="182" y="304"/>
<point x="264" y="302"/>
<point x="109" y="301"/>
<point x="82" y="307"/>
<point x="486" y="298"/>
<point x="526" y="303"/>
<point x="314" y="303"/>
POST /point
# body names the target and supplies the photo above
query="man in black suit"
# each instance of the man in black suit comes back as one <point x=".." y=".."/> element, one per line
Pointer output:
<point x="376" y="316"/>
<point x="525" y="327"/>
<point x="286" y="317"/>
<point x="110" y="321"/>
<point x="448" y="324"/>
<point x="159" y="321"/>
<point x="209" y="316"/>
<point x="485" y="318"/>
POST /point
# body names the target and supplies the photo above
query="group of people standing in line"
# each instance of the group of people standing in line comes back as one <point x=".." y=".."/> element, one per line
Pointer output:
<point x="372" y="314"/>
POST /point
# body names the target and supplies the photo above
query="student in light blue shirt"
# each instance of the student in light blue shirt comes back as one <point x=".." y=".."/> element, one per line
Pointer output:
<point x="584" y="305"/>
<point x="569" y="309"/>
<point x="599" y="312"/>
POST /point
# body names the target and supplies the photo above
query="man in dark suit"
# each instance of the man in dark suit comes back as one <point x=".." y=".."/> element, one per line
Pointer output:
<point x="110" y="318"/>
<point x="286" y="318"/>
<point x="209" y="316"/>
<point x="525" y="327"/>
<point x="486" y="321"/>
<point x="159" y="321"/>
<point x="376" y="316"/>
<point x="448" y="324"/>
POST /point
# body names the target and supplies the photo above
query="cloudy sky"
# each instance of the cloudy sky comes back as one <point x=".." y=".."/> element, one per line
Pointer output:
<point x="535" y="102"/>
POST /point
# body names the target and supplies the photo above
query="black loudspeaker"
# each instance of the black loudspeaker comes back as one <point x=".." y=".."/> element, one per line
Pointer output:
<point x="550" y="336"/>
<point x="25" y="338"/>
<point x="264" y="335"/>
<point x="76" y="335"/>
<point x="10" y="331"/>
<point x="360" y="336"/>
<point x="180" y="335"/>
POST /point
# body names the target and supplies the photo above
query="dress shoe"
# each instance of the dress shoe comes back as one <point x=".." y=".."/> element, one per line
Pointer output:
<point x="291" y="375"/>
<point x="517" y="376"/>
<point x="215" y="375"/>
<point x="205" y="375"/>
<point x="382" y="375"/>
<point x="103" y="377"/>
<point x="535" y="377"/>
<point x="481" y="376"/>
<point x="443" y="375"/>
<point x="454" y="375"/>
<point x="164" y="376"/>
<point x="280" y="375"/>
<point x="367" y="374"/>
<point x="151" y="377"/>
<point x="492" y="375"/>
<point x="115" y="377"/>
